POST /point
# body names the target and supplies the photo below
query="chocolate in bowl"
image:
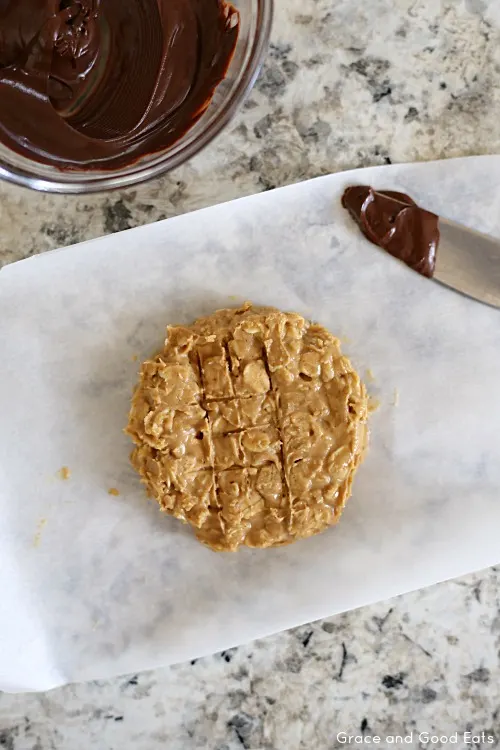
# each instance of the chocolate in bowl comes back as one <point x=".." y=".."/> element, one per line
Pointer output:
<point x="75" y="139"/>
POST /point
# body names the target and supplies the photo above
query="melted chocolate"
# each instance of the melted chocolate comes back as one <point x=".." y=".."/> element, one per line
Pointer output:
<point x="394" y="222"/>
<point x="98" y="84"/>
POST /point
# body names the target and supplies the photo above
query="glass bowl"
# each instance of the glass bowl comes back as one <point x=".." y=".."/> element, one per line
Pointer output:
<point x="251" y="48"/>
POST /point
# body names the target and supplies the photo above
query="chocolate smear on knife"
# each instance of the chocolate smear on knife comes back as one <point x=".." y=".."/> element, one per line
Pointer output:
<point x="394" y="222"/>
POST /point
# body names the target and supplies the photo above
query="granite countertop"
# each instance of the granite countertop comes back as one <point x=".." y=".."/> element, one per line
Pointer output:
<point x="347" y="84"/>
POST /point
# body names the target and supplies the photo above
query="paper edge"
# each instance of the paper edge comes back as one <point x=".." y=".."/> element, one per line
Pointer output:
<point x="357" y="171"/>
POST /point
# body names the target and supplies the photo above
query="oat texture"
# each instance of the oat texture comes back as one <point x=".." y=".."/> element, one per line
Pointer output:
<point x="249" y="425"/>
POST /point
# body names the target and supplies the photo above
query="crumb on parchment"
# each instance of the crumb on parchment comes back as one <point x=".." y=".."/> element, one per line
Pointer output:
<point x="38" y="534"/>
<point x="369" y="376"/>
<point x="64" y="473"/>
<point x="113" y="491"/>
<point x="395" y="400"/>
<point x="135" y="357"/>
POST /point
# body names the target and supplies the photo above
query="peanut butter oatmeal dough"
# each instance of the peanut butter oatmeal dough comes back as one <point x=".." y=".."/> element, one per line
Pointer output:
<point x="249" y="425"/>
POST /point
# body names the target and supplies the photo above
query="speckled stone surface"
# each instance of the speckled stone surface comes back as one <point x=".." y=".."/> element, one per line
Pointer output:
<point x="347" y="83"/>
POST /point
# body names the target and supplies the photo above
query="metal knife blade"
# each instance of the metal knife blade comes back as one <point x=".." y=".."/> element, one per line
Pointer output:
<point x="468" y="262"/>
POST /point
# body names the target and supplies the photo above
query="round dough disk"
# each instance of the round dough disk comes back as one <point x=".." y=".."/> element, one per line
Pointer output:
<point x="250" y="425"/>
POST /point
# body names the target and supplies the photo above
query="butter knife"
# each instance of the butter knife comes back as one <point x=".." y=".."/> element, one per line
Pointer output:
<point x="460" y="258"/>
<point x="468" y="262"/>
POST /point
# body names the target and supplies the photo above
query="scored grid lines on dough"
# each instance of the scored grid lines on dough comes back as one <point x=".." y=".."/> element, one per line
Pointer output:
<point x="271" y="464"/>
<point x="284" y="477"/>
<point x="209" y="429"/>
<point x="231" y="436"/>
<point x="235" y="468"/>
<point x="219" y="396"/>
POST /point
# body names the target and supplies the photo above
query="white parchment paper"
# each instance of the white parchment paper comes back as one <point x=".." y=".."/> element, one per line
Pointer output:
<point x="93" y="585"/>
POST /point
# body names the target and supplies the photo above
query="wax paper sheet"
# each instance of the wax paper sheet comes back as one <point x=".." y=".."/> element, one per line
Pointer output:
<point x="95" y="584"/>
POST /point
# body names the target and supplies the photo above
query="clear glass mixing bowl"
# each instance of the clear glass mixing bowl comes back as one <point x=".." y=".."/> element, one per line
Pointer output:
<point x="251" y="47"/>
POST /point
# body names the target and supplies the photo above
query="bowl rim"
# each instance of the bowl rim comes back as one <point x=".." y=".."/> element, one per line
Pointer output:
<point x="21" y="177"/>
